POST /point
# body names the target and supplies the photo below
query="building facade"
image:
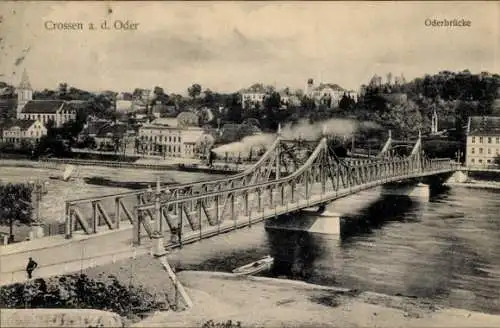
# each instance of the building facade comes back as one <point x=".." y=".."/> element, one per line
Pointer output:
<point x="58" y="111"/>
<point x="23" y="131"/>
<point x="253" y="96"/>
<point x="169" y="141"/>
<point x="483" y="140"/>
<point x="327" y="93"/>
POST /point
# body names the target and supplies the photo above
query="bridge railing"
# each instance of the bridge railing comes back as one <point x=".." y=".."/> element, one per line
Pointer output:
<point x="88" y="214"/>
<point x="316" y="182"/>
<point x="110" y="211"/>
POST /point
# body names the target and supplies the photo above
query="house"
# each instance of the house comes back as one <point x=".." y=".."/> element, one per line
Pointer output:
<point x="169" y="141"/>
<point x="20" y="131"/>
<point x="109" y="134"/>
<point x="104" y="132"/>
<point x="171" y="137"/>
<point x="327" y="93"/>
<point x="483" y="140"/>
<point x="253" y="96"/>
<point x="58" y="111"/>
<point x="124" y="106"/>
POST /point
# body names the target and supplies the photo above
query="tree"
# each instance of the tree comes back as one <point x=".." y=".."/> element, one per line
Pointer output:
<point x="137" y="93"/>
<point x="209" y="99"/>
<point x="346" y="102"/>
<point x="389" y="78"/>
<point x="194" y="90"/>
<point x="160" y="95"/>
<point x="62" y="90"/>
<point x="272" y="101"/>
<point x="233" y="104"/>
<point x="15" y="205"/>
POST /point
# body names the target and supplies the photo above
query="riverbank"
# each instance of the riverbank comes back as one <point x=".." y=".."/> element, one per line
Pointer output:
<point x="476" y="184"/>
<point x="271" y="302"/>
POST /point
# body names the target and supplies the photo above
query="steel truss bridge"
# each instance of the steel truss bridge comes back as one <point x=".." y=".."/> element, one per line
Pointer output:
<point x="292" y="175"/>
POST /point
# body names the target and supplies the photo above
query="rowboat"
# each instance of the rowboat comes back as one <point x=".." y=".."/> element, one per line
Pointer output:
<point x="255" y="267"/>
<point x="67" y="174"/>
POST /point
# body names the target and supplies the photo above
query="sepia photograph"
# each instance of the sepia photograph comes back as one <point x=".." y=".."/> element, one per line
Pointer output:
<point x="227" y="164"/>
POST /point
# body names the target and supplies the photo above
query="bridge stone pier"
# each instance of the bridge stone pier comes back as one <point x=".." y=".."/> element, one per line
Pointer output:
<point x="413" y="189"/>
<point x="293" y="175"/>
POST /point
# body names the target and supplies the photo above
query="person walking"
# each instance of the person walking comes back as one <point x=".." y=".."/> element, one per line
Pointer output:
<point x="32" y="265"/>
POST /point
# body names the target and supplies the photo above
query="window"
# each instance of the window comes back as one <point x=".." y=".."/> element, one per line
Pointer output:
<point x="489" y="139"/>
<point x="472" y="151"/>
<point x="480" y="139"/>
<point x="489" y="151"/>
<point x="480" y="150"/>
<point x="498" y="140"/>
<point x="488" y="161"/>
<point x="480" y="161"/>
<point x="472" y="160"/>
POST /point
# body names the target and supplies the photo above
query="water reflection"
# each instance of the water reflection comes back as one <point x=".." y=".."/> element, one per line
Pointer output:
<point x="441" y="249"/>
<point x="377" y="214"/>
<point x="294" y="252"/>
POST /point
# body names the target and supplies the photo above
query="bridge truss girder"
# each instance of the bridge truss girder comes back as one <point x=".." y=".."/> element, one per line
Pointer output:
<point x="321" y="179"/>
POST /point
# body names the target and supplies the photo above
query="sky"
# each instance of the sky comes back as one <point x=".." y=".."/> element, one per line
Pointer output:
<point x="226" y="46"/>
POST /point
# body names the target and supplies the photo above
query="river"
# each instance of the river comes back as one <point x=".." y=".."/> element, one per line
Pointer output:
<point x="446" y="249"/>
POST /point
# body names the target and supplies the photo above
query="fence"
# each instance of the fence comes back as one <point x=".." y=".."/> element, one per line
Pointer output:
<point x="114" y="164"/>
<point x="28" y="163"/>
<point x="54" y="228"/>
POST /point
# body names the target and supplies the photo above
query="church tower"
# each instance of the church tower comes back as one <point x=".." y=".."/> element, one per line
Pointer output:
<point x="434" y="123"/>
<point x="24" y="93"/>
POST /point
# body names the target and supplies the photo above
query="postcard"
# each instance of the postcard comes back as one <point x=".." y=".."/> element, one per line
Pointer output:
<point x="249" y="164"/>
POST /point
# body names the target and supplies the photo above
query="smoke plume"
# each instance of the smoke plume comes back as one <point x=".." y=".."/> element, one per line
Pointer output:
<point x="302" y="129"/>
<point x="257" y="141"/>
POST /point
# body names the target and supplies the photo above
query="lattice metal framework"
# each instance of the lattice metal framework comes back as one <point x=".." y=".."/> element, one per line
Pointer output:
<point x="290" y="176"/>
<point x="88" y="214"/>
<point x="321" y="179"/>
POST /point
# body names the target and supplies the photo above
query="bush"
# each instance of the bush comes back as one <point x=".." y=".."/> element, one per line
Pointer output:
<point x="80" y="292"/>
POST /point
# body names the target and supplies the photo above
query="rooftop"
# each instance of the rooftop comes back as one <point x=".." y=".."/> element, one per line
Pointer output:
<point x="256" y="88"/>
<point x="329" y="85"/>
<point x="23" y="124"/>
<point x="112" y="129"/>
<point x="484" y="125"/>
<point x="42" y="106"/>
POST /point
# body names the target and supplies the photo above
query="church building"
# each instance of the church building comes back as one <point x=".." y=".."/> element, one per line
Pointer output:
<point x="59" y="111"/>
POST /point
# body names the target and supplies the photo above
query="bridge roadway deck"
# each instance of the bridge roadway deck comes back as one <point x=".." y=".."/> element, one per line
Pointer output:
<point x="61" y="256"/>
<point x="314" y="200"/>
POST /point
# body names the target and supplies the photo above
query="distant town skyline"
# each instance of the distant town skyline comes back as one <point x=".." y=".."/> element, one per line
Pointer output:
<point x="228" y="46"/>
